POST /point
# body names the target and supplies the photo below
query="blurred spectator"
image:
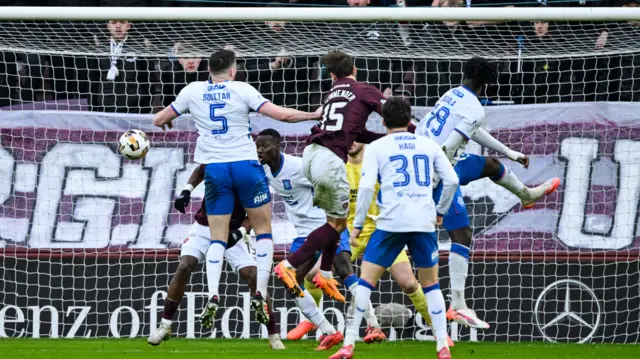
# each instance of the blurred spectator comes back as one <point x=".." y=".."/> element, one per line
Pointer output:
<point x="121" y="82"/>
<point x="538" y="80"/>
<point x="175" y="75"/>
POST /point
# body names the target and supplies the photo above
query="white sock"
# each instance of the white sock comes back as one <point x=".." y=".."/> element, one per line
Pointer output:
<point x="310" y="310"/>
<point x="215" y="260"/>
<point x="363" y="297"/>
<point x="264" y="259"/>
<point x="513" y="184"/>
<point x="166" y="321"/>
<point x="326" y="273"/>
<point x="369" y="315"/>
<point x="458" y="269"/>
<point x="438" y="312"/>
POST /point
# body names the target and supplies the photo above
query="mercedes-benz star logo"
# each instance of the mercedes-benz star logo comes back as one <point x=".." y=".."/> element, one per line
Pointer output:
<point x="575" y="314"/>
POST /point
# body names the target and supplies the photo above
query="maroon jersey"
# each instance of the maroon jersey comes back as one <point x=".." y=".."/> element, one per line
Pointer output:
<point x="237" y="216"/>
<point x="345" y="110"/>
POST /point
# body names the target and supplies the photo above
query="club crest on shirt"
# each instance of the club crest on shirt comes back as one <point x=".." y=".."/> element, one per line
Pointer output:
<point x="287" y="184"/>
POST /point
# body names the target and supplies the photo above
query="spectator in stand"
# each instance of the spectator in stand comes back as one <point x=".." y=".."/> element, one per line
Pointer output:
<point x="618" y="75"/>
<point x="283" y="79"/>
<point x="177" y="74"/>
<point x="122" y="81"/>
<point x="539" y="80"/>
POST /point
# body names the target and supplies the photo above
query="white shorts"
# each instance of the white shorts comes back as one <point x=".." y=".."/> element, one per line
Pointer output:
<point x="328" y="175"/>
<point x="198" y="243"/>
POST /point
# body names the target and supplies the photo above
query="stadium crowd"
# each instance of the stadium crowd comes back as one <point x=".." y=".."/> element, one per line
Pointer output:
<point x="539" y="62"/>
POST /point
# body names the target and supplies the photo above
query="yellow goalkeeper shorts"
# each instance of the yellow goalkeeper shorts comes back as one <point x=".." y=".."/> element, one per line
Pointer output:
<point x="363" y="240"/>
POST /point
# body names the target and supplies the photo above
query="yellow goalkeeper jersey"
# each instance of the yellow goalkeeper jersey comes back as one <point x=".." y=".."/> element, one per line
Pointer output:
<point x="354" y="173"/>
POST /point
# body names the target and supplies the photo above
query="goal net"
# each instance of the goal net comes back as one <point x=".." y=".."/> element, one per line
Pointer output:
<point x="89" y="240"/>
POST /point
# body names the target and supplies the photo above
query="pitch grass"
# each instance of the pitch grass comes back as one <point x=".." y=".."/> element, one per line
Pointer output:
<point x="256" y="349"/>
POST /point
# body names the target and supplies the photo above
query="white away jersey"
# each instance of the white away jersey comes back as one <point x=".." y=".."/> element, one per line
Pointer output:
<point x="297" y="192"/>
<point x="221" y="112"/>
<point x="458" y="110"/>
<point x="404" y="164"/>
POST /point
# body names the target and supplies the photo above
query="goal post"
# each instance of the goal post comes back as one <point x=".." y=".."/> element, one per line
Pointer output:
<point x="89" y="241"/>
<point x="319" y="14"/>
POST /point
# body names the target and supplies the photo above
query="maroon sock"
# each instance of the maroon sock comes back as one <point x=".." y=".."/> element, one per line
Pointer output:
<point x="170" y="308"/>
<point x="316" y="240"/>
<point x="272" y="326"/>
<point x="328" y="254"/>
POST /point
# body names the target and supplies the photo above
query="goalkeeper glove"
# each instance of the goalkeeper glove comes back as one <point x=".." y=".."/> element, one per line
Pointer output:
<point x="182" y="201"/>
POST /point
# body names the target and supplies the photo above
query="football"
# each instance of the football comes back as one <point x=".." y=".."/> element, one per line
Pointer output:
<point x="134" y="144"/>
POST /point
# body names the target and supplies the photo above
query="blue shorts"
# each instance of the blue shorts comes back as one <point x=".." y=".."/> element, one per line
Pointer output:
<point x="469" y="168"/>
<point x="457" y="216"/>
<point x="384" y="247"/>
<point x="224" y="181"/>
<point x="343" y="246"/>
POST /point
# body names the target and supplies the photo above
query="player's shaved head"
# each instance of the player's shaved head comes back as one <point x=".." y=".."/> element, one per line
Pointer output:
<point x="396" y="113"/>
<point x="478" y="71"/>
<point x="339" y="64"/>
<point x="275" y="135"/>
<point x="221" y="61"/>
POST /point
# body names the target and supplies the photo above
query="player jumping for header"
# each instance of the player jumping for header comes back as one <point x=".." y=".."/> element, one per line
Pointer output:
<point x="196" y="249"/>
<point x="405" y="165"/>
<point x="345" y="110"/>
<point x="220" y="108"/>
<point x="456" y="118"/>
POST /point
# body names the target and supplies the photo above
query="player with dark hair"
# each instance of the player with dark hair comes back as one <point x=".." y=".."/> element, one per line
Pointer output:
<point x="196" y="249"/>
<point x="220" y="108"/>
<point x="345" y="110"/>
<point x="456" y="118"/>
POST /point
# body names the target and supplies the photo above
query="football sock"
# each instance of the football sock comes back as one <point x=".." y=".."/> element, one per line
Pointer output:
<point x="315" y="316"/>
<point x="458" y="268"/>
<point x="215" y="255"/>
<point x="351" y="282"/>
<point x="438" y="311"/>
<point x="315" y="292"/>
<point x="272" y="326"/>
<point x="170" y="308"/>
<point x="363" y="297"/>
<point x="508" y="180"/>
<point x="264" y="260"/>
<point x="328" y="255"/>
<point x="420" y="303"/>
<point x="316" y="241"/>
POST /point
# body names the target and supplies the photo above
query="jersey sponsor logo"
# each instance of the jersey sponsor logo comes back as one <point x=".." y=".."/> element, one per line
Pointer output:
<point x="260" y="198"/>
<point x="287" y="184"/>
<point x="216" y="87"/>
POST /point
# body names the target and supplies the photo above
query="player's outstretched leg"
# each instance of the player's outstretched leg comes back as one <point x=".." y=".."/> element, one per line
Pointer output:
<point x="172" y="301"/>
<point x="503" y="176"/>
<point x="325" y="239"/>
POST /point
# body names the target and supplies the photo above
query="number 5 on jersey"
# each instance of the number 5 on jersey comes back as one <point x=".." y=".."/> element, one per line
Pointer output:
<point x="332" y="121"/>
<point x="214" y="118"/>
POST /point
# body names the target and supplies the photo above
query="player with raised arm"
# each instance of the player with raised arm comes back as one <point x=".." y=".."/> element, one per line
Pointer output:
<point x="196" y="249"/>
<point x="220" y="108"/>
<point x="285" y="176"/>
<point x="404" y="164"/>
<point x="456" y="118"/>
<point x="345" y="110"/>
